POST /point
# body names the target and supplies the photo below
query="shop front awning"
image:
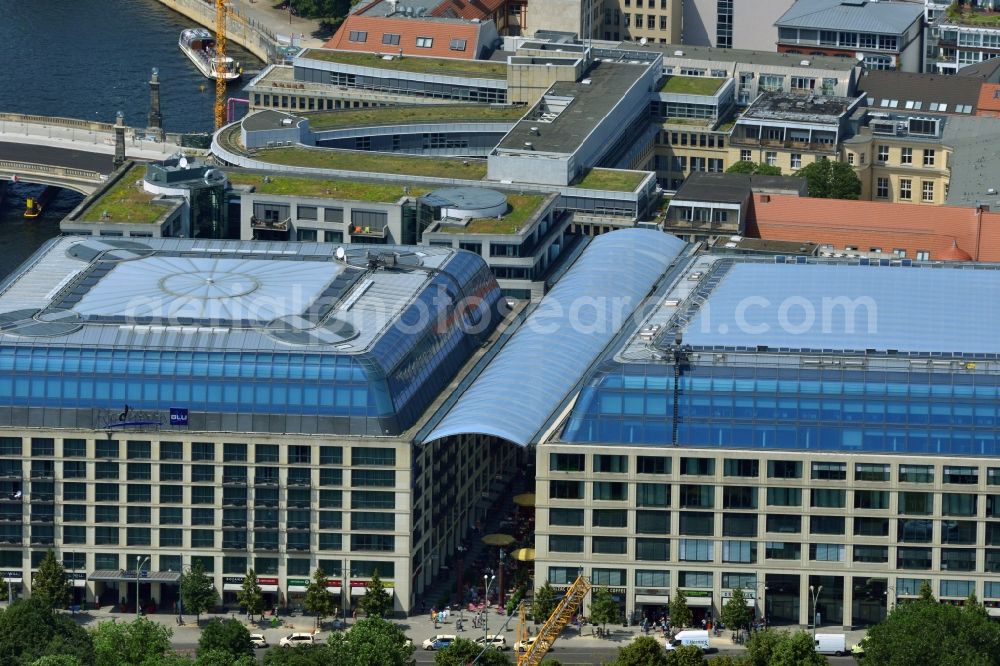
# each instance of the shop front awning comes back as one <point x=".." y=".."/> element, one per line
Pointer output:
<point x="123" y="575"/>
<point x="994" y="612"/>
<point x="297" y="588"/>
<point x="333" y="590"/>
<point x="660" y="599"/>
<point x="699" y="602"/>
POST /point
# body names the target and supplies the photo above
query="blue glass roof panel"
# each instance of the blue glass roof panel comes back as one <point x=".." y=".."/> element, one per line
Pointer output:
<point x="843" y="307"/>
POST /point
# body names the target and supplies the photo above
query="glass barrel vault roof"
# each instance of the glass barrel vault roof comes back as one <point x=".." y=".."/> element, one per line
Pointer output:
<point x="521" y="387"/>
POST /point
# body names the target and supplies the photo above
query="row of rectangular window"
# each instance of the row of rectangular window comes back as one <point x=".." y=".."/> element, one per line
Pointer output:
<point x="776" y="469"/>
<point x="696" y="523"/>
<point x="231" y="564"/>
<point x="200" y="451"/>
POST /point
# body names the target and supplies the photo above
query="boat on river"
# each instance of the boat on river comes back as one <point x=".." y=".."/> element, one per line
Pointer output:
<point x="198" y="44"/>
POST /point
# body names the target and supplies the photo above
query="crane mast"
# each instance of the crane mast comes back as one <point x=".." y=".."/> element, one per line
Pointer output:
<point x="220" y="63"/>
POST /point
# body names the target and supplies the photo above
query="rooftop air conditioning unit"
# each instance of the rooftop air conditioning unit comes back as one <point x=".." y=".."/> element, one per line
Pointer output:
<point x="678" y="52"/>
<point x="804" y="63"/>
<point x="585" y="82"/>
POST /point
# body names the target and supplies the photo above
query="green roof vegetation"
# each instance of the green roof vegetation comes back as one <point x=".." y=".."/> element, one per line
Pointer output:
<point x="396" y="115"/>
<point x="125" y="202"/>
<point x="352" y="190"/>
<point x="485" y="69"/>
<point x="971" y="16"/>
<point x="520" y="208"/>
<point x="327" y="158"/>
<point x="611" y="180"/>
<point x="691" y="85"/>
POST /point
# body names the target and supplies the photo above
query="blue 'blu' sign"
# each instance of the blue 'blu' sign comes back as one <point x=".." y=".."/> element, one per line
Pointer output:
<point x="178" y="417"/>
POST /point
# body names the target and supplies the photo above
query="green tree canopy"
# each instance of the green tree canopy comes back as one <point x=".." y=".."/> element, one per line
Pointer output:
<point x="643" y="651"/>
<point x="686" y="655"/>
<point x="197" y="590"/>
<point x="250" y="595"/>
<point x="974" y="606"/>
<point x="372" y="641"/>
<point x="377" y="602"/>
<point x="318" y="599"/>
<point x="754" y="168"/>
<point x="831" y="180"/>
<point x="926" y="593"/>
<point x="129" y="643"/>
<point x="735" y="612"/>
<point x="30" y="630"/>
<point x="321" y="8"/>
<point x="51" y="584"/>
<point x="229" y="636"/>
<point x="462" y="652"/>
<point x="217" y="657"/>
<point x="544" y="603"/>
<point x="603" y="607"/>
<point x="680" y="615"/>
<point x="783" y="648"/>
<point x="57" y="660"/>
<point x="922" y="633"/>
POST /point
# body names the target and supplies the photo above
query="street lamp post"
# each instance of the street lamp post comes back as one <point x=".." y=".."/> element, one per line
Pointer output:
<point x="138" y="569"/>
<point x="814" y="596"/>
<point x="487" y="583"/>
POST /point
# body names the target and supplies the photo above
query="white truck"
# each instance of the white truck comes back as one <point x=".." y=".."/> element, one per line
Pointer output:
<point x="697" y="637"/>
<point x="835" y="644"/>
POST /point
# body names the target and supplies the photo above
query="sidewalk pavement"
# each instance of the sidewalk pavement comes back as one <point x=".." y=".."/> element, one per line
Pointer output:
<point x="280" y="21"/>
<point x="420" y="627"/>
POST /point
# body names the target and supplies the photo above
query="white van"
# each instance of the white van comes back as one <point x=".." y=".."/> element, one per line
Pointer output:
<point x="835" y="644"/>
<point x="696" y="637"/>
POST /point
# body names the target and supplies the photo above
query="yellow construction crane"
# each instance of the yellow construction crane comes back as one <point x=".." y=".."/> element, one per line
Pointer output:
<point x="568" y="606"/>
<point x="220" y="63"/>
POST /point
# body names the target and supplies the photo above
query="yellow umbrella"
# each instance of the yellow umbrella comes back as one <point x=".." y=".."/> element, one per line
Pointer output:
<point x="524" y="554"/>
<point x="525" y="499"/>
<point x="498" y="539"/>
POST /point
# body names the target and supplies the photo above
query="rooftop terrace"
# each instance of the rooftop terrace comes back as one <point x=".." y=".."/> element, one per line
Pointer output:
<point x="352" y="190"/>
<point x="402" y="115"/>
<point x="521" y="208"/>
<point x="484" y="69"/>
<point x="613" y="180"/>
<point x="346" y="160"/>
<point x="972" y="16"/>
<point x="691" y="85"/>
<point x="125" y="202"/>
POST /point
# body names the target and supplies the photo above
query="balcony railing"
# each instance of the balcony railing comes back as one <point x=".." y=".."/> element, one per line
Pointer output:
<point x="370" y="232"/>
<point x="270" y="225"/>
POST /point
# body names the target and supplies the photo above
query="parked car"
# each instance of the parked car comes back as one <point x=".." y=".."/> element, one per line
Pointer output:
<point x="525" y="645"/>
<point x="293" y="640"/>
<point x="496" y="642"/>
<point x="258" y="640"/>
<point x="439" y="642"/>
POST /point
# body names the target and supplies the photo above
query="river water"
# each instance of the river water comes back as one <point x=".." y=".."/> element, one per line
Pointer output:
<point x="89" y="59"/>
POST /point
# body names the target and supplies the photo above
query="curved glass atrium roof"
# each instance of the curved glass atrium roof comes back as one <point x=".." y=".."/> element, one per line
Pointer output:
<point x="531" y="375"/>
<point x="812" y="354"/>
<point x="279" y="337"/>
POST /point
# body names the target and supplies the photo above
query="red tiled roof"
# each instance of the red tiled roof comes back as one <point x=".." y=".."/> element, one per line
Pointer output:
<point x="989" y="100"/>
<point x="440" y="31"/>
<point x="947" y="232"/>
<point x="469" y="9"/>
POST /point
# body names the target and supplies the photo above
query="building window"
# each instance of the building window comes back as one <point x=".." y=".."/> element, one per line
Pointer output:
<point x="871" y="472"/>
<point x="698" y="466"/>
<point x="425" y="42"/>
<point x="826" y="552"/>
<point x="742" y="467"/>
<point x="696" y="550"/>
<point x="796" y="160"/>
<point x="784" y="496"/>
<point x="916" y="473"/>
<point x="611" y="464"/>
<point x="882" y="154"/>
<point x="359" y="36"/>
<point x="923" y="255"/>
<point x="565" y="543"/>
<point x="566" y="517"/>
<point x="928" y="158"/>
<point x="882" y="188"/>
<point x="391" y="39"/>
<point x="927" y="190"/>
<point x="905" y="189"/>
<point x="745" y="156"/>
<point x="652" y="464"/>
<point x="906" y="156"/>
<point x="829" y="471"/>
<point x="784" y="469"/>
<point x="458" y="44"/>
<point x="850" y="158"/>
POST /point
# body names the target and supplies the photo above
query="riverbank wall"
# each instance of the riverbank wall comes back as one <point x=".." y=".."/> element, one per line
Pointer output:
<point x="250" y="32"/>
